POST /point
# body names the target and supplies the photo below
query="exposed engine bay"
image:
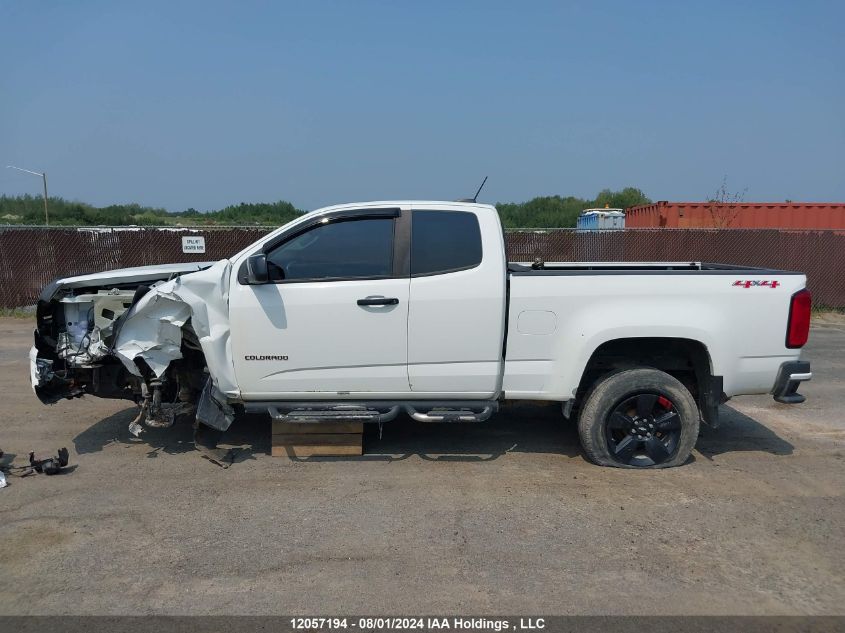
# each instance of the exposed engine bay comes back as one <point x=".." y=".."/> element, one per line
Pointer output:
<point x="156" y="335"/>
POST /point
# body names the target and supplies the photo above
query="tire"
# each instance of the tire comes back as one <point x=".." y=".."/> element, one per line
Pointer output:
<point x="639" y="418"/>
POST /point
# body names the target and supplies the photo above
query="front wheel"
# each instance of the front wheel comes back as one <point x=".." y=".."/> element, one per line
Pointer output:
<point x="639" y="418"/>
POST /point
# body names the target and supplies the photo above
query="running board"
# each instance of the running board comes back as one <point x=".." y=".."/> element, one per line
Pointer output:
<point x="308" y="413"/>
<point x="376" y="411"/>
<point x="442" y="414"/>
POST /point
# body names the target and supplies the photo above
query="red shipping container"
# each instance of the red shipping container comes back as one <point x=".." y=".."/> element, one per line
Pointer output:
<point x="739" y="215"/>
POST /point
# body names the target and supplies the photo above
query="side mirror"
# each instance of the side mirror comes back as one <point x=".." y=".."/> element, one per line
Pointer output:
<point x="256" y="269"/>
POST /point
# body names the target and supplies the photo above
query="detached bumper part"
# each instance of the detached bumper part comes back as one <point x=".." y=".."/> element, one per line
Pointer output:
<point x="790" y="375"/>
<point x="213" y="410"/>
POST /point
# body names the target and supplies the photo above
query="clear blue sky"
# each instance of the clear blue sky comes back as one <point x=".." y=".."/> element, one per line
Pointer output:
<point x="206" y="104"/>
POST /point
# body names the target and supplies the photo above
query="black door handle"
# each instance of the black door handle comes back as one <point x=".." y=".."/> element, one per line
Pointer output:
<point x="378" y="301"/>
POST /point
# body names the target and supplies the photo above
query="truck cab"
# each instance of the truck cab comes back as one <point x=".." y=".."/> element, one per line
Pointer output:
<point x="374" y="301"/>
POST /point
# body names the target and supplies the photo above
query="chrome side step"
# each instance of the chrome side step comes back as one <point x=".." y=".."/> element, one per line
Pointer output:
<point x="441" y="414"/>
<point x="318" y="412"/>
<point x="376" y="411"/>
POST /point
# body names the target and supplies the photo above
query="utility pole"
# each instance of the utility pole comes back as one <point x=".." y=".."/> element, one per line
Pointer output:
<point x="44" y="180"/>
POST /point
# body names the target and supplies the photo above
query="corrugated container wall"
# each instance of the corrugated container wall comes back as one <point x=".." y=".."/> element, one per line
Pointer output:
<point x="742" y="215"/>
<point x="600" y="219"/>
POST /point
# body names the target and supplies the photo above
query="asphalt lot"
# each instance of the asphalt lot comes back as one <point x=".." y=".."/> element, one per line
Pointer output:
<point x="501" y="517"/>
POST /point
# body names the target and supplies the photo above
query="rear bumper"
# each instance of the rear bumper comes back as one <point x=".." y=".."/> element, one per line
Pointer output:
<point x="790" y="375"/>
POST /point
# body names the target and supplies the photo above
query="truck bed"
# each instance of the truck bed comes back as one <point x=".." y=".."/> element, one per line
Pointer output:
<point x="639" y="268"/>
<point x="560" y="313"/>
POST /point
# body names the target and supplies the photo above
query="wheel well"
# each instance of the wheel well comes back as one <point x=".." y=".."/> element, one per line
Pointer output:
<point x="192" y="367"/>
<point x="685" y="359"/>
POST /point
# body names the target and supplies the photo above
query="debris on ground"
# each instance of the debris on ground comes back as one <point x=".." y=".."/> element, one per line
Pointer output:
<point x="205" y="441"/>
<point x="46" y="463"/>
<point x="49" y="464"/>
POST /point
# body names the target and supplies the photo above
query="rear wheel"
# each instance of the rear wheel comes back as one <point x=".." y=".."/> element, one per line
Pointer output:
<point x="639" y="418"/>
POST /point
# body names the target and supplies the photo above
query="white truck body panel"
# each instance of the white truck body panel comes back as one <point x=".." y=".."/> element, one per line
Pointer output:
<point x="456" y="324"/>
<point x="476" y="333"/>
<point x="592" y="309"/>
<point x="324" y="341"/>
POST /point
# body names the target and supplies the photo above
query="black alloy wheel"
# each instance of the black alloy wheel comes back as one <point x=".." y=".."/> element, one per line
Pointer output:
<point x="644" y="429"/>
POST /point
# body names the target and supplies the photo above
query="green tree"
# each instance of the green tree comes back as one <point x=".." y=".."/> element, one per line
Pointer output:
<point x="624" y="199"/>
<point x="557" y="211"/>
<point x="540" y="212"/>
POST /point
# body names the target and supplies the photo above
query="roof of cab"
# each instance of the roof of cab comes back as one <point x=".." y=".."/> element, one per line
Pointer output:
<point x="446" y="204"/>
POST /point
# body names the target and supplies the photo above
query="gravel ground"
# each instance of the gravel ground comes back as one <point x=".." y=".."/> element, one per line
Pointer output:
<point x="500" y="517"/>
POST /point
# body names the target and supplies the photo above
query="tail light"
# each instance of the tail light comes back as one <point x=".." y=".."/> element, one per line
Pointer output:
<point x="798" y="326"/>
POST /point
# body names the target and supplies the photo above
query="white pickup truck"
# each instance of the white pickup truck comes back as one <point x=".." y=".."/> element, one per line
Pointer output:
<point x="366" y="311"/>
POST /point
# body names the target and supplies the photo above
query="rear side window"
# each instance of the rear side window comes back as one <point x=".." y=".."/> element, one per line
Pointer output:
<point x="444" y="241"/>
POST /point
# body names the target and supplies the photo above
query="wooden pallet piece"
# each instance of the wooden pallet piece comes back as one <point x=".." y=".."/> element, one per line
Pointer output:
<point x="290" y="428"/>
<point x="293" y="439"/>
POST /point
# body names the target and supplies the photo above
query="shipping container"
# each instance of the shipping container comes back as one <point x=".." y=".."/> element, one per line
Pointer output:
<point x="601" y="219"/>
<point x="740" y="215"/>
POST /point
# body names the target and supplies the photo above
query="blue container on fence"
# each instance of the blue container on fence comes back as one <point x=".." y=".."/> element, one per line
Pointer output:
<point x="600" y="220"/>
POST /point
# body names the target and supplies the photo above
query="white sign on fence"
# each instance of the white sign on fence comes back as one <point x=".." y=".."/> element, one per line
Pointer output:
<point x="193" y="244"/>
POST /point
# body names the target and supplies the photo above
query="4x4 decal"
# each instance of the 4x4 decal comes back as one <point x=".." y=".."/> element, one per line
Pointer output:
<point x="769" y="283"/>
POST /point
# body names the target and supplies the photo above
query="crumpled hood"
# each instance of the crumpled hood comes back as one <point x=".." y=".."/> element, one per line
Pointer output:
<point x="153" y="326"/>
<point x="138" y="274"/>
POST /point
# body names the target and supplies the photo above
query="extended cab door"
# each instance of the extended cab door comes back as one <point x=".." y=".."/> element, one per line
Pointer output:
<point x="332" y="322"/>
<point x="457" y="311"/>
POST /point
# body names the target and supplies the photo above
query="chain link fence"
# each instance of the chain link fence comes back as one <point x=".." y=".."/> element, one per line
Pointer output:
<point x="31" y="257"/>
<point x="818" y="254"/>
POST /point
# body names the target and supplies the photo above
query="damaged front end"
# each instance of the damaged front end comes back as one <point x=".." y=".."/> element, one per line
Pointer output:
<point x="156" y="335"/>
